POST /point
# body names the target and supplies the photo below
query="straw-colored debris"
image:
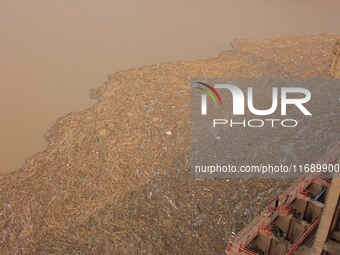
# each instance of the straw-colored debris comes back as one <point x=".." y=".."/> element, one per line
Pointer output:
<point x="335" y="67"/>
<point x="113" y="179"/>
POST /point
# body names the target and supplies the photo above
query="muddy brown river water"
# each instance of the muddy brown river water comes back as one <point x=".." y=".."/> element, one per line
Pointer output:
<point x="53" y="52"/>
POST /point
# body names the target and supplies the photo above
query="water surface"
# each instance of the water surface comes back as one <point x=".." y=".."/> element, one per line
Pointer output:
<point x="53" y="52"/>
